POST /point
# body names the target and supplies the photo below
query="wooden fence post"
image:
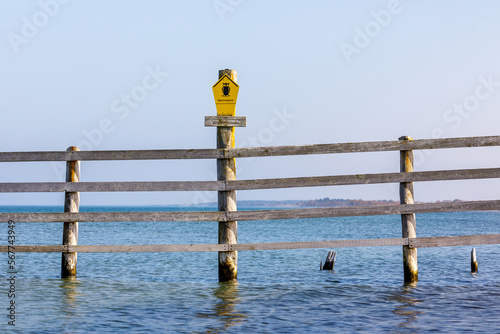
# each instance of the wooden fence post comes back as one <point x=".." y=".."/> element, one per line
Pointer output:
<point x="70" y="230"/>
<point x="408" y="221"/>
<point x="226" y="170"/>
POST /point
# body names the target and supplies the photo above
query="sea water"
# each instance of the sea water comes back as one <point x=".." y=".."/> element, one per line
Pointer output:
<point x="280" y="291"/>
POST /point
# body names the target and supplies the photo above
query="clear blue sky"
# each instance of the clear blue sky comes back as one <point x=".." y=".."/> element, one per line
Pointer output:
<point x="122" y="74"/>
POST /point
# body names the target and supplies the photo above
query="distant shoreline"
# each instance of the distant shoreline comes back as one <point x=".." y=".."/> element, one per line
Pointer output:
<point x="316" y="203"/>
<point x="325" y="202"/>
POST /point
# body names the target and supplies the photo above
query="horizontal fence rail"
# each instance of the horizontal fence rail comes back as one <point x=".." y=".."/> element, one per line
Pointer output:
<point x="112" y="155"/>
<point x="382" y="146"/>
<point x="193" y="216"/>
<point x="485" y="239"/>
<point x="419" y="144"/>
<point x="318" y="181"/>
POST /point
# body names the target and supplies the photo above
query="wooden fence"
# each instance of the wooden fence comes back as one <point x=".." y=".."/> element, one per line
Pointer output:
<point x="405" y="178"/>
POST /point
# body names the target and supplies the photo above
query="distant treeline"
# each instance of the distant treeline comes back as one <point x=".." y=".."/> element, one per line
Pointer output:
<point x="333" y="202"/>
<point x="323" y="202"/>
<point x="315" y="203"/>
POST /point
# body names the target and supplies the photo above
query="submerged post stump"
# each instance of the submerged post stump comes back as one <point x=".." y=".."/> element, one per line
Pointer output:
<point x="330" y="261"/>
<point x="473" y="261"/>
<point x="70" y="230"/>
<point x="408" y="221"/>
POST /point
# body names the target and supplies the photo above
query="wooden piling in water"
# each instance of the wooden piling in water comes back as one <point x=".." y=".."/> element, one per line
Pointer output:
<point x="473" y="262"/>
<point x="226" y="171"/>
<point x="70" y="229"/>
<point x="330" y="261"/>
<point x="408" y="221"/>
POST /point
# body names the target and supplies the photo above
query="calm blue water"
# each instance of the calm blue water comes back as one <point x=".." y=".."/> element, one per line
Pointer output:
<point x="277" y="291"/>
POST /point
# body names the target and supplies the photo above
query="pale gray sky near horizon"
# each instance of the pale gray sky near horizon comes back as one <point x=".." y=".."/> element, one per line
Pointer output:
<point x="138" y="74"/>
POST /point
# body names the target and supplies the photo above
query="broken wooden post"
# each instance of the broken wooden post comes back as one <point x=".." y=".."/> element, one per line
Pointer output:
<point x="225" y="95"/>
<point x="70" y="230"/>
<point x="330" y="260"/>
<point x="473" y="261"/>
<point x="408" y="221"/>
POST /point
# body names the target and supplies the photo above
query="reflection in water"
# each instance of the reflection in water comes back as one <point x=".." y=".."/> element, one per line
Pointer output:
<point x="405" y="307"/>
<point x="70" y="290"/>
<point x="224" y="309"/>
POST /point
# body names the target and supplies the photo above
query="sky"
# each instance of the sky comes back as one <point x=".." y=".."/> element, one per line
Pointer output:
<point x="130" y="75"/>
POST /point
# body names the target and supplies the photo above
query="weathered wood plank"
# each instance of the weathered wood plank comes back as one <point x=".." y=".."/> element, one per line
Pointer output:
<point x="320" y="244"/>
<point x="462" y="240"/>
<point x="51" y="217"/>
<point x="113" y="186"/>
<point x="228" y="121"/>
<point x="487" y="239"/>
<point x="421" y="144"/>
<point x="112" y="155"/>
<point x="382" y="146"/>
<point x="317" y="181"/>
<point x="117" y="248"/>
<point x="36" y="248"/>
<point x="369" y="210"/>
<point x="211" y="247"/>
